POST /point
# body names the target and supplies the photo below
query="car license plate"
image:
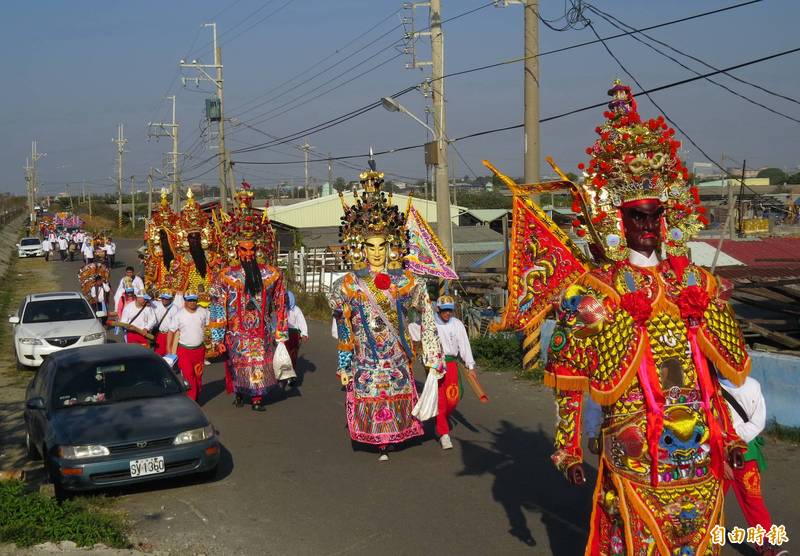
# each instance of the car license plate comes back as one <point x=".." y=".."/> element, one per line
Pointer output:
<point x="147" y="466"/>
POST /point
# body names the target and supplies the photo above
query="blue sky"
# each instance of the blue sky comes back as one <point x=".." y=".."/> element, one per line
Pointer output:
<point x="77" y="69"/>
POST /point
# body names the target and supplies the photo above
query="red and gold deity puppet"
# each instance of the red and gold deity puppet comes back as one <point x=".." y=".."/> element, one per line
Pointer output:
<point x="644" y="336"/>
<point x="159" y="237"/>
<point x="197" y="250"/>
<point x="248" y="312"/>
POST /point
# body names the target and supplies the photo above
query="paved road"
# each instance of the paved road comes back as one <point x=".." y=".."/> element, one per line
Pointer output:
<point x="291" y="482"/>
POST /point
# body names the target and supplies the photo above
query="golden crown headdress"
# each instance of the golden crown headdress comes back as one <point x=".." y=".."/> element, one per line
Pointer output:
<point x="193" y="219"/>
<point x="372" y="214"/>
<point x="246" y="223"/>
<point x="633" y="161"/>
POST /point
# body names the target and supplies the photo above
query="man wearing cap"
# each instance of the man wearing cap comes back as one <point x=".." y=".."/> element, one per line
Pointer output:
<point x="138" y="318"/>
<point x="99" y="294"/>
<point x="130" y="280"/>
<point x="188" y="334"/>
<point x="455" y="344"/>
<point x="164" y="311"/>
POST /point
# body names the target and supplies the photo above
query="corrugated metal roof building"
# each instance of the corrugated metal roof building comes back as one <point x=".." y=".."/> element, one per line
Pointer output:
<point x="327" y="211"/>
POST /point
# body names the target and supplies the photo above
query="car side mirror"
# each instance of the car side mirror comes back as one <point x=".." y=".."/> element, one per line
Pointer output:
<point x="100" y="314"/>
<point x="13" y="320"/>
<point x="35" y="403"/>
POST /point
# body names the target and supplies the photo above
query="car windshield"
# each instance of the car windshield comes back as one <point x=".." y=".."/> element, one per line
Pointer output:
<point x="56" y="310"/>
<point x="128" y="379"/>
<point x="30" y="241"/>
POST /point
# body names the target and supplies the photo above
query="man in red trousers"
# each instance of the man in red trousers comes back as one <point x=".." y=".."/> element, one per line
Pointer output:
<point x="188" y="328"/>
<point x="455" y="344"/>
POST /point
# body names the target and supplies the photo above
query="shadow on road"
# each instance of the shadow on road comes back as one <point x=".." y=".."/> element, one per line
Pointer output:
<point x="304" y="366"/>
<point x="526" y="480"/>
<point x="210" y="391"/>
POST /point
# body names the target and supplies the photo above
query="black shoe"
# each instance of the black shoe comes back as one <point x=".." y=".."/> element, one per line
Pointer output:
<point x="237" y="401"/>
<point x="257" y="407"/>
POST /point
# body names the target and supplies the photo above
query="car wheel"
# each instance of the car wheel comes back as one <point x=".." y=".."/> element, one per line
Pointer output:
<point x="52" y="477"/>
<point x="209" y="474"/>
<point x="30" y="448"/>
<point x="21" y="367"/>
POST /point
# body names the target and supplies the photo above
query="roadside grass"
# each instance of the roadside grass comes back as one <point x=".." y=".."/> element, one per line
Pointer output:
<point x="104" y="219"/>
<point x="33" y="518"/>
<point x="313" y="305"/>
<point x="23" y="277"/>
<point x="502" y="353"/>
<point x="781" y="432"/>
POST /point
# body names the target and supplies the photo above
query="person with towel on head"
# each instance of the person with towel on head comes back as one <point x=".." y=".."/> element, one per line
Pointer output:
<point x="164" y="311"/>
<point x="188" y="333"/>
<point x="139" y="318"/>
<point x="455" y="344"/>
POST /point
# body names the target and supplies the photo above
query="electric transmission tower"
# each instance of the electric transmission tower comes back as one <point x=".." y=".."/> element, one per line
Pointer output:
<point x="162" y="129"/>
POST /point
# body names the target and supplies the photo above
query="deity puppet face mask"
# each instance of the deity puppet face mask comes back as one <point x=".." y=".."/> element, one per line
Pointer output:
<point x="375" y="248"/>
<point x="246" y="251"/>
<point x="642" y="222"/>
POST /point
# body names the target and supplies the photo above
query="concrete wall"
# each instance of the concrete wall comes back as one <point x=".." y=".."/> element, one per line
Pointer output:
<point x="778" y="374"/>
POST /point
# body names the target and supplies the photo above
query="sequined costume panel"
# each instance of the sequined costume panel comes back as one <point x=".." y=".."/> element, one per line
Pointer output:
<point x="374" y="351"/>
<point x="249" y="326"/>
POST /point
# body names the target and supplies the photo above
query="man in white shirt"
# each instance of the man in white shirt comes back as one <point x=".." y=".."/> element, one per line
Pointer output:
<point x="47" y="247"/>
<point x="99" y="295"/>
<point x="298" y="331"/>
<point x="165" y="309"/>
<point x="139" y="318"/>
<point x="455" y="344"/>
<point x="62" y="247"/>
<point x="130" y="280"/>
<point x="87" y="251"/>
<point x="188" y="342"/>
<point x="111" y="250"/>
<point x="749" y="416"/>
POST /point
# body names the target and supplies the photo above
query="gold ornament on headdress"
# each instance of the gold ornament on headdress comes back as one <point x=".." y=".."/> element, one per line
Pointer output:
<point x="631" y="161"/>
<point x="372" y="214"/>
<point x="193" y="219"/>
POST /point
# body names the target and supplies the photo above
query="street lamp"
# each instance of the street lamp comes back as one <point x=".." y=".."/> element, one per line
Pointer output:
<point x="442" y="185"/>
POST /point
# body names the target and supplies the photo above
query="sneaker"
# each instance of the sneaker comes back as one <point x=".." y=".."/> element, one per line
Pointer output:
<point x="384" y="456"/>
<point x="447" y="444"/>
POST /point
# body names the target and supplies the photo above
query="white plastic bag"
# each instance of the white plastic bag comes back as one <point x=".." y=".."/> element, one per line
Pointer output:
<point x="282" y="363"/>
<point x="427" y="406"/>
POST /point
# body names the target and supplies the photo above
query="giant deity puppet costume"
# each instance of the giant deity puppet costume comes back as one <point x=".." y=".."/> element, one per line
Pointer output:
<point x="248" y="308"/>
<point x="371" y="306"/>
<point x="159" y="235"/>
<point x="644" y="337"/>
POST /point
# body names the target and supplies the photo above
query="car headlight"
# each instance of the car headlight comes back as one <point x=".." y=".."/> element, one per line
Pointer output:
<point x="84" y="451"/>
<point x="194" y="435"/>
<point x="30" y="341"/>
<point x="93" y="337"/>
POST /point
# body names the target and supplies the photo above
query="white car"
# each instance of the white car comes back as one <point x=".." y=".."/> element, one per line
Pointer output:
<point x="49" y="322"/>
<point x="30" y="247"/>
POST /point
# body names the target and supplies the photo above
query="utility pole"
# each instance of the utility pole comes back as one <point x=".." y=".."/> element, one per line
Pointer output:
<point x="34" y="177"/>
<point x="224" y="161"/>
<point x="330" y="173"/>
<point x="437" y="100"/>
<point x="120" y="141"/>
<point x="83" y="191"/>
<point x="133" y="204"/>
<point x="170" y="130"/>
<point x="29" y="188"/>
<point x="305" y="148"/>
<point x="150" y="194"/>
<point x="531" y="93"/>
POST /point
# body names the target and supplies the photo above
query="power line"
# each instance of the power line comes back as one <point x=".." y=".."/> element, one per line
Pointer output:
<point x="352" y="41"/>
<point x="645" y="92"/>
<point x="684" y="66"/>
<point x="734" y="77"/>
<point x="610" y="37"/>
<point x="661" y="110"/>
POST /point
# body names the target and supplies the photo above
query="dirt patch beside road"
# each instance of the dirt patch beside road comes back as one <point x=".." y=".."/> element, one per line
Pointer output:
<point x="23" y="276"/>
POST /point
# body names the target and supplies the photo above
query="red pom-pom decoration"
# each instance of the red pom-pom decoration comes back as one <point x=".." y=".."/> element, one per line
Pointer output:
<point x="692" y="302"/>
<point x="382" y="281"/>
<point x="638" y="306"/>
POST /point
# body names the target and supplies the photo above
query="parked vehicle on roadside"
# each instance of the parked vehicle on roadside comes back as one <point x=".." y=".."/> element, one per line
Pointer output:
<point x="30" y="247"/>
<point x="49" y="322"/>
<point x="112" y="415"/>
